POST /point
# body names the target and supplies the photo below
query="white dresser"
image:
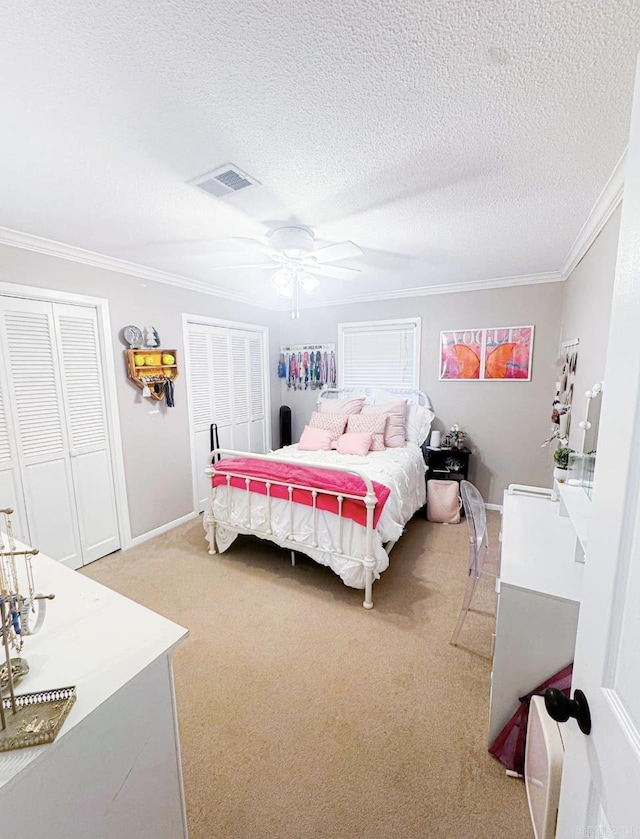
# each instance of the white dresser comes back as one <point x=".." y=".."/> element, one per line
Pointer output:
<point x="114" y="770"/>
<point x="538" y="602"/>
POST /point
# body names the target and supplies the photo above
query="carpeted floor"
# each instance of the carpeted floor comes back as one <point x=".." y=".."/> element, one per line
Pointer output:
<point x="303" y="715"/>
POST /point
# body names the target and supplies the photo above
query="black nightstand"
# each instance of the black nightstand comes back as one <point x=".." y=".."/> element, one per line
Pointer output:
<point x="446" y="464"/>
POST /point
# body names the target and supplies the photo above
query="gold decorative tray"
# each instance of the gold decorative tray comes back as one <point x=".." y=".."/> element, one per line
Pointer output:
<point x="38" y="718"/>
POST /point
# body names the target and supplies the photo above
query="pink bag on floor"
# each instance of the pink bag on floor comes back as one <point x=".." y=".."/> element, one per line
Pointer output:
<point x="443" y="501"/>
<point x="510" y="744"/>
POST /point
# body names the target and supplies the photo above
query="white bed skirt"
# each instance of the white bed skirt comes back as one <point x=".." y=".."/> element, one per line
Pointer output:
<point x="402" y="470"/>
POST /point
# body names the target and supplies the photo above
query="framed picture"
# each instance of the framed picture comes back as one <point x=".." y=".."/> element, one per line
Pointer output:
<point x="495" y="353"/>
<point x="461" y="354"/>
<point x="507" y="353"/>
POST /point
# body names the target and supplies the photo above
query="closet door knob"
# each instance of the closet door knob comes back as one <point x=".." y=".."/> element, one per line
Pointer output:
<point x="560" y="708"/>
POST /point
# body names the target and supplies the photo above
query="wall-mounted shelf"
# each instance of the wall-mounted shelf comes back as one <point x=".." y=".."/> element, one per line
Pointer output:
<point x="145" y="367"/>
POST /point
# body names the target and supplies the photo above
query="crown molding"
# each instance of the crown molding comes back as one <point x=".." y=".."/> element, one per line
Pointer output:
<point x="444" y="288"/>
<point x="600" y="214"/>
<point x="49" y="247"/>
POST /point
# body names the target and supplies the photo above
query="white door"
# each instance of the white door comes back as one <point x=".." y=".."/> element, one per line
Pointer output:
<point x="86" y="419"/>
<point x="11" y="495"/>
<point x="601" y="780"/>
<point x="53" y="400"/>
<point x="35" y="398"/>
<point x="226" y="384"/>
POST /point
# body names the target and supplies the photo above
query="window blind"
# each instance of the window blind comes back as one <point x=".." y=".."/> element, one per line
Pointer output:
<point x="379" y="354"/>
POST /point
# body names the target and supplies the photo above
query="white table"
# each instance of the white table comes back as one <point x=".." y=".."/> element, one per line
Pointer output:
<point x="114" y="769"/>
<point x="538" y="603"/>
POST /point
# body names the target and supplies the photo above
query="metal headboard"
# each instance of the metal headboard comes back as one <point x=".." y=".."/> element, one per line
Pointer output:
<point x="412" y="395"/>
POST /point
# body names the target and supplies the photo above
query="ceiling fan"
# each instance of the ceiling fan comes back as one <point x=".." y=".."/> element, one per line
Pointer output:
<point x="298" y="264"/>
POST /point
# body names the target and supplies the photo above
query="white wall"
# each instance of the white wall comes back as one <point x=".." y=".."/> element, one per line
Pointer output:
<point x="506" y="421"/>
<point x="587" y="310"/>
<point x="156" y="446"/>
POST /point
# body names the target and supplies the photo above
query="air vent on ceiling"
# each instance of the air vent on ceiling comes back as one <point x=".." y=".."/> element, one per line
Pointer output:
<point x="224" y="181"/>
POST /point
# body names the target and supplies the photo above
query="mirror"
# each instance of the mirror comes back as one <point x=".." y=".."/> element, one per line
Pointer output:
<point x="591" y="422"/>
<point x="590" y="426"/>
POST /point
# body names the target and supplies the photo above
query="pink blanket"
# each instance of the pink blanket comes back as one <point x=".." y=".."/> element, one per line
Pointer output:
<point x="307" y="476"/>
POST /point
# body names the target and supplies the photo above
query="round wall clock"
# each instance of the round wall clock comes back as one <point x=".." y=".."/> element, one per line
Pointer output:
<point x="133" y="337"/>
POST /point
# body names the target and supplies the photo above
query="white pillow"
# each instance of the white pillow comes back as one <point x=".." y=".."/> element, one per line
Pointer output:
<point x="382" y="396"/>
<point x="418" y="424"/>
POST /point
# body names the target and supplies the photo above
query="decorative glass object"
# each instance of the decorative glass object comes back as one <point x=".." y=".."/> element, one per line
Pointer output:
<point x="575" y="468"/>
<point x="588" y="470"/>
<point x="580" y="471"/>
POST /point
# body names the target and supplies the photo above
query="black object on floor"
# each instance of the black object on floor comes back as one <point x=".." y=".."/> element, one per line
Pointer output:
<point x="214" y="440"/>
<point x="285" y="426"/>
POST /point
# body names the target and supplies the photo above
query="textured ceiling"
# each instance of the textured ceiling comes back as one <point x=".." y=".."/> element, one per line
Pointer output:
<point x="453" y="140"/>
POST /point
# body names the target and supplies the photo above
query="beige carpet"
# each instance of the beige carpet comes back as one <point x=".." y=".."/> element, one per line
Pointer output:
<point x="303" y="715"/>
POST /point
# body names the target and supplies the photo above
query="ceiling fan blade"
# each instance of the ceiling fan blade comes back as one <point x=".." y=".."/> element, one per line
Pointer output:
<point x="334" y="272"/>
<point x="260" y="246"/>
<point x="233" y="267"/>
<point x="332" y="253"/>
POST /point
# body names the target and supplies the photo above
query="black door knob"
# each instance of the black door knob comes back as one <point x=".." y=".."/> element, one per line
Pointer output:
<point x="560" y="708"/>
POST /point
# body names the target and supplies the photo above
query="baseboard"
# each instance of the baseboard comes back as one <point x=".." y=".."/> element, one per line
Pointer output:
<point x="158" y="531"/>
<point x="497" y="507"/>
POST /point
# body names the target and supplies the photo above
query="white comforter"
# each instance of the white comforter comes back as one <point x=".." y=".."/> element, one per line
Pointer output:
<point x="400" y="469"/>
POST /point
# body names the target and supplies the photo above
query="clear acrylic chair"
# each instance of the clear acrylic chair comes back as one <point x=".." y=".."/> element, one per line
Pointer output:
<point x="482" y="560"/>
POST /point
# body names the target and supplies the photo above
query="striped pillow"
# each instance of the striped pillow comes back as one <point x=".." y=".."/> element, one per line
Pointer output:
<point x="373" y="424"/>
<point x="334" y="423"/>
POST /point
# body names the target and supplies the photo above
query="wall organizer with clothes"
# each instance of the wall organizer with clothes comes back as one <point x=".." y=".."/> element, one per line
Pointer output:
<point x="308" y="366"/>
<point x="561" y="406"/>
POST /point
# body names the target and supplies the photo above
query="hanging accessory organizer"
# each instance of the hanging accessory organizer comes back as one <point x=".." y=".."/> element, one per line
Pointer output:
<point x="308" y="366"/>
<point x="154" y="371"/>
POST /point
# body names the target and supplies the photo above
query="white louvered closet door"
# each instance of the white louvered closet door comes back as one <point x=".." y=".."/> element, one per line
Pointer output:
<point x="226" y="385"/>
<point x="11" y="494"/>
<point x="86" y="420"/>
<point x="199" y="375"/>
<point x="257" y="388"/>
<point x="34" y="402"/>
<point x="59" y="457"/>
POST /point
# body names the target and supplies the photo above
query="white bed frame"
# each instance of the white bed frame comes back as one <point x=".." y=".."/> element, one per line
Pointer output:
<point x="221" y="534"/>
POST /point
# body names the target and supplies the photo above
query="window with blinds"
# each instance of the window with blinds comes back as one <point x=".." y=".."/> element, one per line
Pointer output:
<point x="382" y="353"/>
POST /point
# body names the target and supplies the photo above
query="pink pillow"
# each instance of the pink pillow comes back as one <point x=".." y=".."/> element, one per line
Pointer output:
<point x="350" y="405"/>
<point x="335" y="423"/>
<point x="397" y="411"/>
<point x="373" y="424"/>
<point x="354" y="444"/>
<point x="315" y="440"/>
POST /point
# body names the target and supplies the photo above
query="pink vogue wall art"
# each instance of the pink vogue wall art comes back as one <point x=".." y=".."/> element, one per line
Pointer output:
<point x="486" y="354"/>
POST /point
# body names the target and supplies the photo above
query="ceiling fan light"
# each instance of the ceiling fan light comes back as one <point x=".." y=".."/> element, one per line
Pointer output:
<point x="282" y="283"/>
<point x="308" y="282"/>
